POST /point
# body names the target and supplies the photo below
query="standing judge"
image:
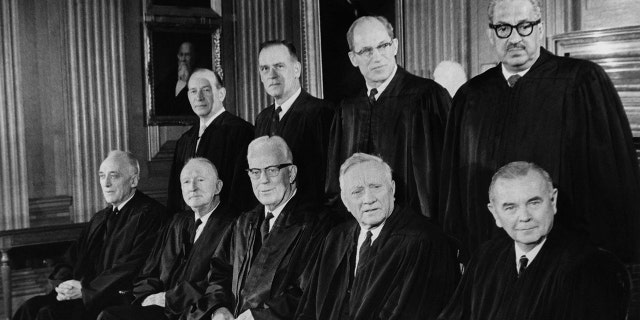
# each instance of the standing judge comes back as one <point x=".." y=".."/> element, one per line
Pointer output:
<point x="301" y="119"/>
<point x="536" y="270"/>
<point x="561" y="113"/>
<point x="174" y="275"/>
<point x="259" y="269"/>
<point x="400" y="117"/>
<point x="110" y="250"/>
<point x="387" y="263"/>
<point x="220" y="137"/>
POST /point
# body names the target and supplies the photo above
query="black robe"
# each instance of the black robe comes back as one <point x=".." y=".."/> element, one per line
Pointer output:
<point x="405" y="127"/>
<point x="267" y="278"/>
<point x="411" y="273"/>
<point x="564" y="115"/>
<point x="569" y="279"/>
<point x="104" y="265"/>
<point x="166" y="101"/>
<point x="224" y="142"/>
<point x="305" y="128"/>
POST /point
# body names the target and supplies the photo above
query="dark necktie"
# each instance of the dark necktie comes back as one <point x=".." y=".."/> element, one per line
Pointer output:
<point x="264" y="227"/>
<point x="112" y="219"/>
<point x="275" y="120"/>
<point x="523" y="264"/>
<point x="364" y="249"/>
<point x="195" y="230"/>
<point x="372" y="96"/>
<point x="513" y="79"/>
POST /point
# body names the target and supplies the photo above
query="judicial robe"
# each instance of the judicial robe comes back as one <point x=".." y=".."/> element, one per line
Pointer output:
<point x="565" y="115"/>
<point x="225" y="143"/>
<point x="405" y="126"/>
<point x="410" y="273"/>
<point x="105" y="264"/>
<point x="267" y="278"/>
<point x="569" y="279"/>
<point x="305" y="128"/>
<point x="167" y="102"/>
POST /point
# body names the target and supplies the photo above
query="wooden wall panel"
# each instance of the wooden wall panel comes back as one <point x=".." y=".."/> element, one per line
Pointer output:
<point x="13" y="169"/>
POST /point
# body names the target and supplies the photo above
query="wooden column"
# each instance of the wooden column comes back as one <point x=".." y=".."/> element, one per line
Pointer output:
<point x="97" y="91"/>
<point x="13" y="174"/>
<point x="311" y="47"/>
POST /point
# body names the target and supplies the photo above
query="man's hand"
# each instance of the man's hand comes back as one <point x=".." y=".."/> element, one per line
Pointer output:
<point x="246" y="315"/>
<point x="222" y="314"/>
<point x="69" y="290"/>
<point x="156" y="299"/>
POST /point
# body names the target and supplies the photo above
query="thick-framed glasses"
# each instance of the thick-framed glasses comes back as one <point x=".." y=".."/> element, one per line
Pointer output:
<point x="271" y="171"/>
<point x="367" y="52"/>
<point x="504" y="30"/>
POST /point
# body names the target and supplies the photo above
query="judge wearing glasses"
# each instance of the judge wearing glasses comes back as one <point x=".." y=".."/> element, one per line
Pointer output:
<point x="563" y="114"/>
<point x="261" y="265"/>
<point x="400" y="117"/>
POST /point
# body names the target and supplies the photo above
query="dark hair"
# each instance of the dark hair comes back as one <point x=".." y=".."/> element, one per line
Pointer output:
<point x="288" y="44"/>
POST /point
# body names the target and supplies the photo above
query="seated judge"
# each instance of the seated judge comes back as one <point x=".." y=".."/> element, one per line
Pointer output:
<point x="536" y="270"/>
<point x="389" y="262"/>
<point x="109" y="252"/>
<point x="258" y="270"/>
<point x="174" y="275"/>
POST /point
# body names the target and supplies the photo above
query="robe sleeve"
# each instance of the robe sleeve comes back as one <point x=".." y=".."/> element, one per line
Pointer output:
<point x="174" y="192"/>
<point x="307" y="305"/>
<point x="240" y="191"/>
<point x="458" y="306"/>
<point x="334" y="154"/>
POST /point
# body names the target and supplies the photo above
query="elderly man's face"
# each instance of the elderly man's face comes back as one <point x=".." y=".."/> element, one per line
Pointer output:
<point x="517" y="53"/>
<point x="185" y="54"/>
<point x="524" y="207"/>
<point x="378" y="66"/>
<point x="200" y="185"/>
<point x="117" y="180"/>
<point x="279" y="72"/>
<point x="205" y="98"/>
<point x="271" y="191"/>
<point x="368" y="194"/>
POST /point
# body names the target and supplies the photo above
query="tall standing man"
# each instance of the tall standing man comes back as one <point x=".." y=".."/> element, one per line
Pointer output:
<point x="298" y="117"/>
<point x="561" y="113"/>
<point x="110" y="250"/>
<point x="400" y="117"/>
<point x="220" y="137"/>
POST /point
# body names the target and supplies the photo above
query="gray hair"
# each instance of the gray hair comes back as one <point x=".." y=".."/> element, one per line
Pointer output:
<point x="518" y="169"/>
<point x="274" y="143"/>
<point x="381" y="19"/>
<point x="127" y="157"/>
<point x="537" y="8"/>
<point x="204" y="161"/>
<point x="359" y="158"/>
<point x="213" y="77"/>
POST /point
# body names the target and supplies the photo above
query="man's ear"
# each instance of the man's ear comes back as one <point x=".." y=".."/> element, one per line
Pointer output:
<point x="293" y="172"/>
<point x="134" y="180"/>
<point x="554" y="200"/>
<point x="297" y="69"/>
<point x="494" y="214"/>
<point x="490" y="34"/>
<point x="352" y="58"/>
<point x="218" y="187"/>
<point x="222" y="93"/>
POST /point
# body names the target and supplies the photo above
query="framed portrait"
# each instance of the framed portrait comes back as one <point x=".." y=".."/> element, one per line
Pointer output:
<point x="172" y="52"/>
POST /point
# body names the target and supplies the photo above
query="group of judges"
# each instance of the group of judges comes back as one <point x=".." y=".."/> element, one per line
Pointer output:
<point x="518" y="199"/>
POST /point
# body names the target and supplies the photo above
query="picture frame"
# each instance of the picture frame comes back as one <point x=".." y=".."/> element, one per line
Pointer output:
<point x="173" y="48"/>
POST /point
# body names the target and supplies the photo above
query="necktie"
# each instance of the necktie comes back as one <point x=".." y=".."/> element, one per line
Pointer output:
<point x="372" y="96"/>
<point x="112" y="218"/>
<point x="364" y="249"/>
<point x="275" y="120"/>
<point x="523" y="264"/>
<point x="194" y="231"/>
<point x="513" y="79"/>
<point x="200" y="133"/>
<point x="264" y="227"/>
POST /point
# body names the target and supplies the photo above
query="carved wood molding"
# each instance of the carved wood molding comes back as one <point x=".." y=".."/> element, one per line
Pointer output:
<point x="311" y="46"/>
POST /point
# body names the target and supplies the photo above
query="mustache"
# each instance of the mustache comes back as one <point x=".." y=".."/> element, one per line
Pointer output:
<point x="517" y="45"/>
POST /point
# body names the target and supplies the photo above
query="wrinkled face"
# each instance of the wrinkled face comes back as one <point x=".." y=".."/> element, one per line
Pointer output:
<point x="524" y="207"/>
<point x="200" y="185"/>
<point x="279" y="72"/>
<point x="271" y="191"/>
<point x="205" y="98"/>
<point x="185" y="55"/>
<point x="368" y="194"/>
<point x="517" y="53"/>
<point x="371" y="34"/>
<point x="117" y="180"/>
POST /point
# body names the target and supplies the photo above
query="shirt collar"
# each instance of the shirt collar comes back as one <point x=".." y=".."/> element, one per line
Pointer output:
<point x="276" y="212"/>
<point x="205" y="218"/>
<point x="530" y="255"/>
<point x="384" y="85"/>
<point x="206" y="124"/>
<point x="375" y="232"/>
<point x="123" y="203"/>
<point x="506" y="73"/>
<point x="287" y="104"/>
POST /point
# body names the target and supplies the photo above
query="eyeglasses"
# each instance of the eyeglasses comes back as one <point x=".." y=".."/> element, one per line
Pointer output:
<point x="271" y="171"/>
<point x="367" y="52"/>
<point x="504" y="30"/>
